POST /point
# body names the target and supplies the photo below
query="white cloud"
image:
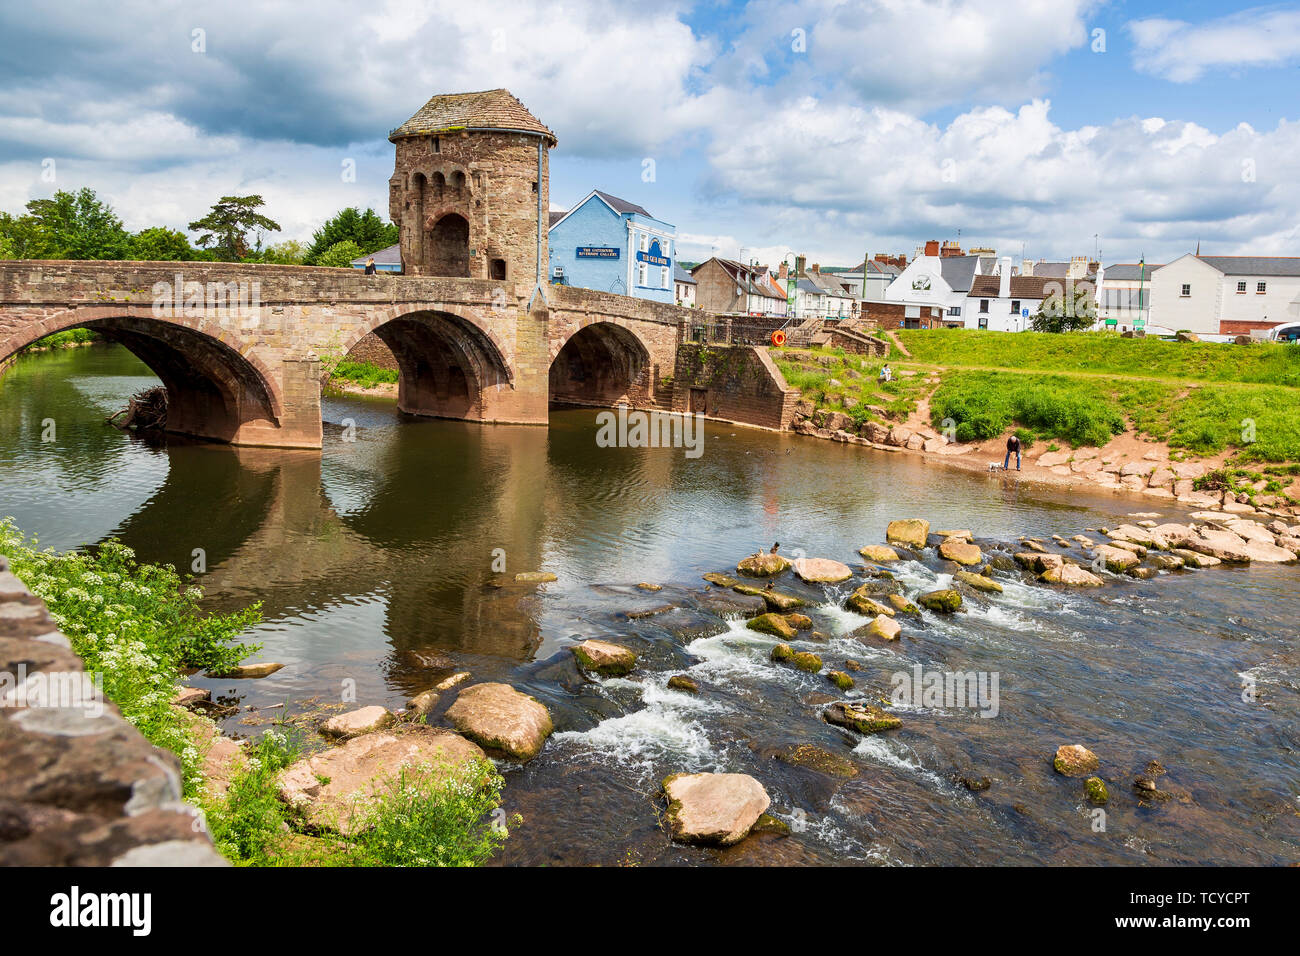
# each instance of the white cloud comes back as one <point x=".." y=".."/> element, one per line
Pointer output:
<point x="913" y="54"/>
<point x="1005" y="178"/>
<point x="1182" y="52"/>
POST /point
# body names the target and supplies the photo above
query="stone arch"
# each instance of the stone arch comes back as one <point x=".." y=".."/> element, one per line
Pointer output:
<point x="214" y="392"/>
<point x="602" y="363"/>
<point x="449" y="246"/>
<point x="448" y="367"/>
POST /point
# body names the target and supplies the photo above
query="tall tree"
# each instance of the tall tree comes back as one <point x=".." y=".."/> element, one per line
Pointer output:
<point x="366" y="229"/>
<point x="72" y="226"/>
<point x="227" y="225"/>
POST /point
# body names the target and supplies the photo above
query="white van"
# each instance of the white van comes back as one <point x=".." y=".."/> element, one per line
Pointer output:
<point x="1286" y="332"/>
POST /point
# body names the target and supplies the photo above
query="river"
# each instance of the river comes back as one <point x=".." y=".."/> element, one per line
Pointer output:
<point x="373" y="562"/>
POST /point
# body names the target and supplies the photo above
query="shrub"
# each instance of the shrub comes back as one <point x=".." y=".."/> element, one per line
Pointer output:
<point x="136" y="625"/>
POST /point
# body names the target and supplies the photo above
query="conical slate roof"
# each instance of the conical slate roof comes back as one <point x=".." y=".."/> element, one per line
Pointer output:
<point x="487" y="109"/>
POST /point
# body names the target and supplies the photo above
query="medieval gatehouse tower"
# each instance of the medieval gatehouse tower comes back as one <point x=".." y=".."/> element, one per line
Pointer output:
<point x="471" y="175"/>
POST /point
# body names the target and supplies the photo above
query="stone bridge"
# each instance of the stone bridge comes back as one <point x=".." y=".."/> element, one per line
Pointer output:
<point x="242" y="348"/>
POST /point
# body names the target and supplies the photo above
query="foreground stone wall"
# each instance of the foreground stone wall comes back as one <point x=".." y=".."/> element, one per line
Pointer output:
<point x="79" y="786"/>
<point x="738" y="383"/>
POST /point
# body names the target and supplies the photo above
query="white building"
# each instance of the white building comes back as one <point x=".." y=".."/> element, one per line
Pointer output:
<point x="683" y="287"/>
<point x="942" y="281"/>
<point x="1226" y="295"/>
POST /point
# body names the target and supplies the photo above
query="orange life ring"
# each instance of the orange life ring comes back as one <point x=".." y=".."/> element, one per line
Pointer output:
<point x="778" y="338"/>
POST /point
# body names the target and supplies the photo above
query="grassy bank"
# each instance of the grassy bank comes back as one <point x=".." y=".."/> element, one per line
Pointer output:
<point x="1264" y="363"/>
<point x="136" y="624"/>
<point x="363" y="374"/>
<point x="139" y="626"/>
<point x="834" y="379"/>
<point x="1077" y="389"/>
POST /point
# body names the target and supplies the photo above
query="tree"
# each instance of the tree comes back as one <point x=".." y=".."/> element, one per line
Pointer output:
<point x="291" y="252"/>
<point x="227" y="225"/>
<point x="340" y="254"/>
<point x="366" y="229"/>
<point x="160" y="244"/>
<point x="71" y="226"/>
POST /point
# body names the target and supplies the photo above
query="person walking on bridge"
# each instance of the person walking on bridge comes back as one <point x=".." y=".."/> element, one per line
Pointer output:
<point x="1013" y="444"/>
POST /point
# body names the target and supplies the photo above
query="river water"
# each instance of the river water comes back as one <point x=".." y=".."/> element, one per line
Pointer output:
<point x="373" y="562"/>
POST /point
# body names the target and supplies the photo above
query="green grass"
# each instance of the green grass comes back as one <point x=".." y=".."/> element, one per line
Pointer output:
<point x="64" y="339"/>
<point x="363" y="374"/>
<point x="834" y="379"/>
<point x="982" y="405"/>
<point x="1265" y="363"/>
<point x="416" y="817"/>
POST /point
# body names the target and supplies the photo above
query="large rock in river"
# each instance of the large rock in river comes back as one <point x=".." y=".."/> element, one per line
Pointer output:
<point x="1075" y="760"/>
<point x="604" y="657"/>
<point x="357" y="722"/>
<point x="864" y="718"/>
<point x="961" y="551"/>
<point x="878" y="553"/>
<point x="1116" y="559"/>
<point x="331" y="789"/>
<point x="499" y="717"/>
<point x="1072" y="575"/>
<point x="821" y="570"/>
<point x="944" y="601"/>
<point x="762" y="565"/>
<point x="714" y="809"/>
<point x="772" y="623"/>
<point x="978" y="581"/>
<point x="911" y="532"/>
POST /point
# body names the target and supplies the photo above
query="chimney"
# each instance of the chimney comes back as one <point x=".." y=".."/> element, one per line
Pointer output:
<point x="1004" y="278"/>
<point x="799" y="265"/>
<point x="902" y="261"/>
<point x="932" y="247"/>
<point x="816" y="268"/>
<point x="783" y="271"/>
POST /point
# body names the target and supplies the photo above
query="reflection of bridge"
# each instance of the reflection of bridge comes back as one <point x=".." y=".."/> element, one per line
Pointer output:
<point x="240" y="347"/>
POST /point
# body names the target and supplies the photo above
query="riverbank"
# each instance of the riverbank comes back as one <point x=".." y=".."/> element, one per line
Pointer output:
<point x="1132" y="436"/>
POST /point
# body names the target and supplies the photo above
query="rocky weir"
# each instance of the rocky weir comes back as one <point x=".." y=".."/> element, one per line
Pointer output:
<point x="770" y="595"/>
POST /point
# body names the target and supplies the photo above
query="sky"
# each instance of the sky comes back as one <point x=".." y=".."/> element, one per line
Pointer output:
<point x="1042" y="128"/>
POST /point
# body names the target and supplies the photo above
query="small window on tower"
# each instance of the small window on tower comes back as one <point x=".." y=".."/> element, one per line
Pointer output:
<point x="498" y="269"/>
<point x="534" y="186"/>
<point x="437" y="145"/>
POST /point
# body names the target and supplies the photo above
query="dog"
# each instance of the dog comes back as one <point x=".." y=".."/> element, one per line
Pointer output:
<point x="995" y="466"/>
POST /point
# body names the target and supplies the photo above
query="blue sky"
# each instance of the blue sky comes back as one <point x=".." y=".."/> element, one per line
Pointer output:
<point x="820" y="127"/>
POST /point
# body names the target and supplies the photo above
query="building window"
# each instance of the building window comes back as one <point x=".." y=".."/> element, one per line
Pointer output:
<point x="1260" y="286"/>
<point x="1187" y="289"/>
<point x="640" y="273"/>
<point x="663" y="276"/>
<point x="984" y="308"/>
<point x="437" y="145"/>
<point x="1015" y="306"/>
<point x="984" y="321"/>
<point x="954" y="310"/>
<point x="1241" y="287"/>
<point x="645" y="242"/>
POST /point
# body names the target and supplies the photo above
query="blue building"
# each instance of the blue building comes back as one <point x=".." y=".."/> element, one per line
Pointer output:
<point x="612" y="245"/>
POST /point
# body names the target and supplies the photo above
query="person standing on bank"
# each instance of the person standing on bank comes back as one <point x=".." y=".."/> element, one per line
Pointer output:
<point x="1013" y="444"/>
<point x="370" y="266"/>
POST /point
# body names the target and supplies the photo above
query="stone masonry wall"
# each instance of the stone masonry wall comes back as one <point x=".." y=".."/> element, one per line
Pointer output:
<point x="738" y="383"/>
<point x="79" y="786"/>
